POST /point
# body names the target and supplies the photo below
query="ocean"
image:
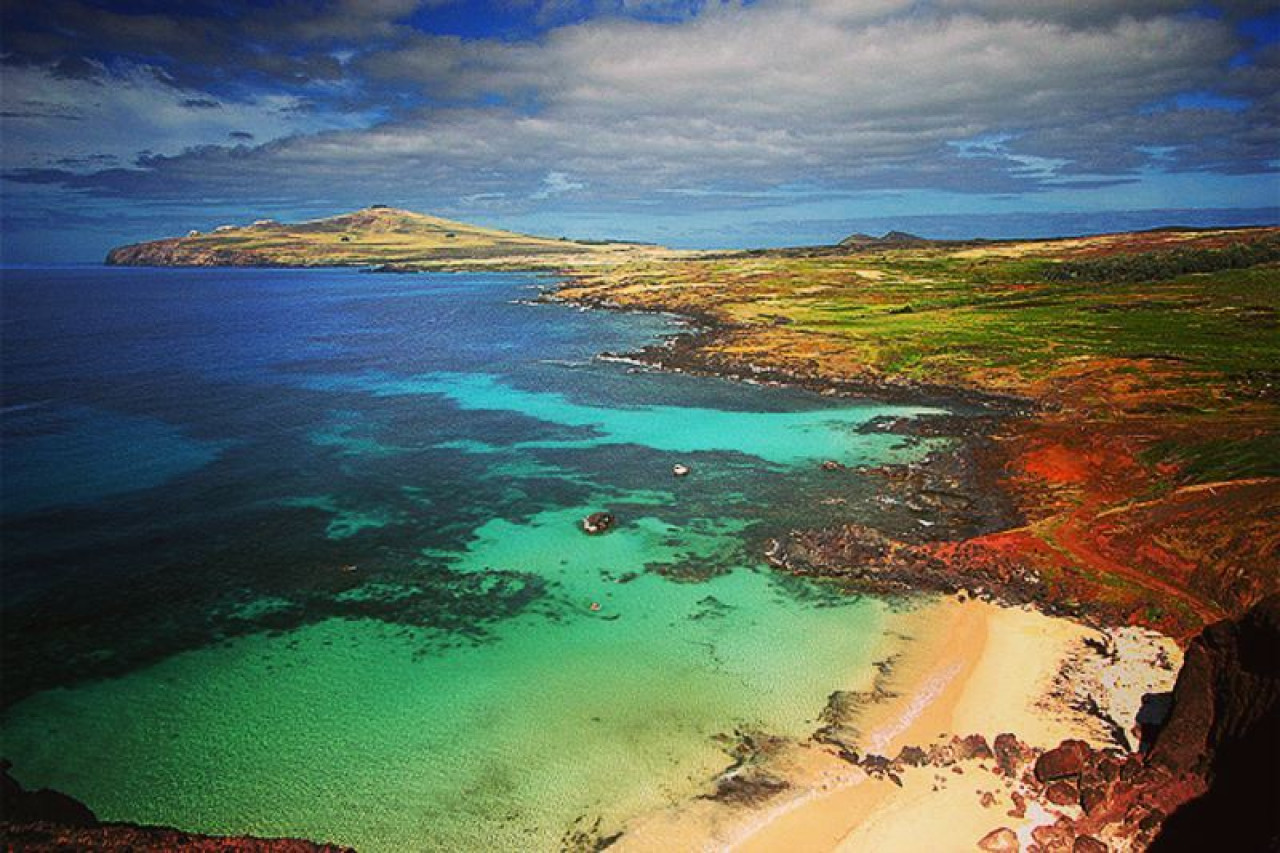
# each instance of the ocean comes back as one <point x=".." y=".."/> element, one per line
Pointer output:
<point x="297" y="552"/>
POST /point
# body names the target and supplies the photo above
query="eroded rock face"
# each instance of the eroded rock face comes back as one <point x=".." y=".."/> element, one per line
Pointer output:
<point x="1225" y="725"/>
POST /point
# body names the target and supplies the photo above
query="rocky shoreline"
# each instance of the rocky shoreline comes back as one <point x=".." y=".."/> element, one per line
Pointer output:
<point x="1202" y="754"/>
<point x="1203" y="775"/>
<point x="958" y="488"/>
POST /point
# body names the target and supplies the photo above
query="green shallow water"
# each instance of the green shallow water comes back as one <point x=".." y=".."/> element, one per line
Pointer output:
<point x="348" y="598"/>
<point x="784" y="438"/>
<point x="348" y="731"/>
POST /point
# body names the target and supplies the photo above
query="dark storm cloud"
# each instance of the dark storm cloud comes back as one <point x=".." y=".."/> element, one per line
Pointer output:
<point x="201" y="42"/>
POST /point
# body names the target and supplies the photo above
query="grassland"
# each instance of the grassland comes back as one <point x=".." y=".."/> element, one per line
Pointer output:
<point x="380" y="237"/>
<point x="1147" y="474"/>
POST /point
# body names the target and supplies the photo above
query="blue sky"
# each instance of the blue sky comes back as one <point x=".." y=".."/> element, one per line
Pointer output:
<point x="683" y="122"/>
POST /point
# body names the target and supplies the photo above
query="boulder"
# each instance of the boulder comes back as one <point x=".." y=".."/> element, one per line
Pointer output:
<point x="1011" y="754"/>
<point x="971" y="747"/>
<point x="1089" y="844"/>
<point x="1093" y="793"/>
<point x="680" y="470"/>
<point x="598" y="522"/>
<point x="912" y="756"/>
<point x="1054" y="838"/>
<point x="1063" y="761"/>
<point x="1062" y="793"/>
<point x="1002" y="840"/>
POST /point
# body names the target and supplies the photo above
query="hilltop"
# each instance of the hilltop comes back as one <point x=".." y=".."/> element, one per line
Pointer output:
<point x="891" y="240"/>
<point x="378" y="236"/>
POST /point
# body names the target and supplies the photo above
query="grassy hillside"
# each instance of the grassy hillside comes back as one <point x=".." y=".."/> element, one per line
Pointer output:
<point x="374" y="236"/>
<point x="1147" y="475"/>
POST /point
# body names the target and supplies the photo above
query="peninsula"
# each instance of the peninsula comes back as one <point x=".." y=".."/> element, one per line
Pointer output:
<point x="378" y="236"/>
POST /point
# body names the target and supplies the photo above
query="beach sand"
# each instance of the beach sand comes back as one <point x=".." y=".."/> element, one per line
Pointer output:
<point x="960" y="668"/>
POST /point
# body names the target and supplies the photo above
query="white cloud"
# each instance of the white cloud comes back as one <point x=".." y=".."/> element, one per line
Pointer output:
<point x="51" y="120"/>
<point x="556" y="183"/>
<point x="744" y="98"/>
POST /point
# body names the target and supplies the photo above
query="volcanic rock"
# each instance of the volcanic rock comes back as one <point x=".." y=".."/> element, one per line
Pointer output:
<point x="1062" y="793"/>
<point x="1002" y="840"/>
<point x="1062" y="761"/>
<point x="912" y="756"/>
<point x="1011" y="754"/>
<point x="1088" y="844"/>
<point x="971" y="747"/>
<point x="1225" y="723"/>
<point x="598" y="522"/>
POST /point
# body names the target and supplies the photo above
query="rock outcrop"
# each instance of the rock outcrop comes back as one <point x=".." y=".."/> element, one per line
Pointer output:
<point x="598" y="522"/>
<point x="1225" y="726"/>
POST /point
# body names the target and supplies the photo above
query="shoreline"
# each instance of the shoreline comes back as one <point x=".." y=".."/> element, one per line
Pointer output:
<point x="960" y="670"/>
<point x="963" y="672"/>
<point x="1062" y="474"/>
<point x="954" y="669"/>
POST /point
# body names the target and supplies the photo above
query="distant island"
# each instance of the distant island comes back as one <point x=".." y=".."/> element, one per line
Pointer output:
<point x="377" y="236"/>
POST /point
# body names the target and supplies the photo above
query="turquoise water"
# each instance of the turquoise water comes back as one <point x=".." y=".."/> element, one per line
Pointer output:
<point x="325" y="576"/>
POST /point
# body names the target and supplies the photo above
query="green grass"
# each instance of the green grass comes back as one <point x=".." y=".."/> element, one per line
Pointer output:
<point x="1222" y="322"/>
<point x="1219" y="459"/>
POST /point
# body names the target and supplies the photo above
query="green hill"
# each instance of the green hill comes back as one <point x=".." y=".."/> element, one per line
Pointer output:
<point x="374" y="236"/>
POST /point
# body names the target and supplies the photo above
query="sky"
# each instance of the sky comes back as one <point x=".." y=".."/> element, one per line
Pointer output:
<point x="692" y="123"/>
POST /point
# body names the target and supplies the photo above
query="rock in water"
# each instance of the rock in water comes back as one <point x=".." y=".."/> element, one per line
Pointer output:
<point x="680" y="470"/>
<point x="598" y="522"/>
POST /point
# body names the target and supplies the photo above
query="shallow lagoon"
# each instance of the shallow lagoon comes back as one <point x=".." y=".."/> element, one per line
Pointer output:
<point x="347" y="597"/>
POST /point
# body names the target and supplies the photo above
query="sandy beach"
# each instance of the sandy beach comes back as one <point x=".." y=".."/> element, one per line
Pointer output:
<point x="959" y="668"/>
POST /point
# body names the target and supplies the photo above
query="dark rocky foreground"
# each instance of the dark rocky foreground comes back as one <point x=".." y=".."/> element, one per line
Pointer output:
<point x="46" y="820"/>
<point x="1206" y="779"/>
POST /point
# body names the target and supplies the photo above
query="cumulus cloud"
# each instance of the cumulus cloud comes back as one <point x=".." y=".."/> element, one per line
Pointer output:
<point x="741" y="98"/>
<point x="556" y="183"/>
